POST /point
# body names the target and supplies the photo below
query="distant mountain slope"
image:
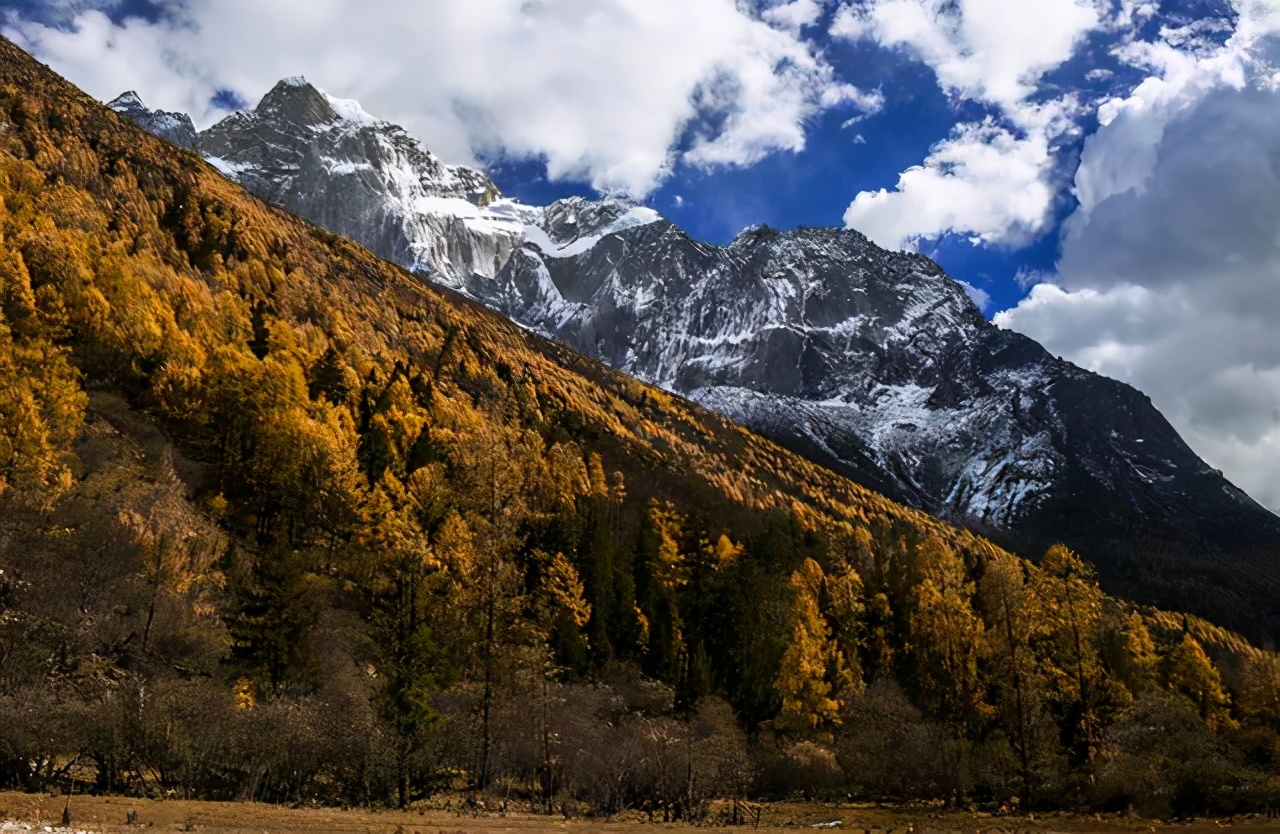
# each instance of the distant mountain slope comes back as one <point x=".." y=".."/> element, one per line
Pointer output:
<point x="871" y="362"/>
<point x="878" y="365"/>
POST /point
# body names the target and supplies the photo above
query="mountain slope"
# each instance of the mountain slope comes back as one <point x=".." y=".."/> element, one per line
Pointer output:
<point x="280" y="520"/>
<point x="197" y="278"/>
<point x="872" y="362"/>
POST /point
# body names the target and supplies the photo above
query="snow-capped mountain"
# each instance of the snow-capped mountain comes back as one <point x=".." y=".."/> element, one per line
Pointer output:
<point x="327" y="160"/>
<point x="872" y="362"/>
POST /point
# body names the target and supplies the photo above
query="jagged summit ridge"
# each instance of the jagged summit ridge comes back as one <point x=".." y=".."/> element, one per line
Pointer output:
<point x="572" y="226"/>
<point x="875" y="363"/>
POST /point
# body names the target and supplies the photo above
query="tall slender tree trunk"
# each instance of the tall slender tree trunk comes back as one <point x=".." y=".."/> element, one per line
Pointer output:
<point x="1017" y="694"/>
<point x="486" y="703"/>
<point x="1086" y="721"/>
<point x="402" y="774"/>
<point x="548" y="785"/>
<point x="157" y="579"/>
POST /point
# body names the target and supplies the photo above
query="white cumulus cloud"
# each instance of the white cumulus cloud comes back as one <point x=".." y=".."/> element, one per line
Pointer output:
<point x="988" y="50"/>
<point x="794" y="15"/>
<point x="990" y="182"/>
<point x="603" y="90"/>
<point x="985" y="181"/>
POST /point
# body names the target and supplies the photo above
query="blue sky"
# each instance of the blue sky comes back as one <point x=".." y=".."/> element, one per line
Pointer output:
<point x="1101" y="173"/>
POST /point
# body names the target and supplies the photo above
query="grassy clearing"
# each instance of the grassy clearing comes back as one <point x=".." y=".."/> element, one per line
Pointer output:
<point x="109" y="814"/>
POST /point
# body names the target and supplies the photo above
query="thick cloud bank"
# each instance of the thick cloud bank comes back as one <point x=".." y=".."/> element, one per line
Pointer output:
<point x="1170" y="269"/>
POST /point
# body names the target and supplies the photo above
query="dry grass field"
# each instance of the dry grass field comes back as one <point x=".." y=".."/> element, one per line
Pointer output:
<point x="42" y="813"/>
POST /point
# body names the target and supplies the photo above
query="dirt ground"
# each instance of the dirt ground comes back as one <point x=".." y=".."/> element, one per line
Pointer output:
<point x="41" y="813"/>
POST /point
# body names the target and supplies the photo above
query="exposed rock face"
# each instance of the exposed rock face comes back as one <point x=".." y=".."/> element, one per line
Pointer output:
<point x="175" y="127"/>
<point x="872" y="362"/>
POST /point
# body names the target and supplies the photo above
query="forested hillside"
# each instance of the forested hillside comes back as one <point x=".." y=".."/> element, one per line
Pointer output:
<point x="278" y="520"/>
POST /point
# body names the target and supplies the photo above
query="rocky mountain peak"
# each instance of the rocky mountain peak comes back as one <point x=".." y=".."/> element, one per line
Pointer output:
<point x="754" y="235"/>
<point x="127" y="102"/>
<point x="174" y="127"/>
<point x="296" y="101"/>
<point x="327" y="160"/>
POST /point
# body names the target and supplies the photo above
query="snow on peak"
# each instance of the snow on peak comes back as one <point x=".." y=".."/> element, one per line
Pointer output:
<point x="294" y="81"/>
<point x="633" y="217"/>
<point x="127" y="99"/>
<point x="349" y="110"/>
<point x="227" y="167"/>
<point x="754" y="233"/>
